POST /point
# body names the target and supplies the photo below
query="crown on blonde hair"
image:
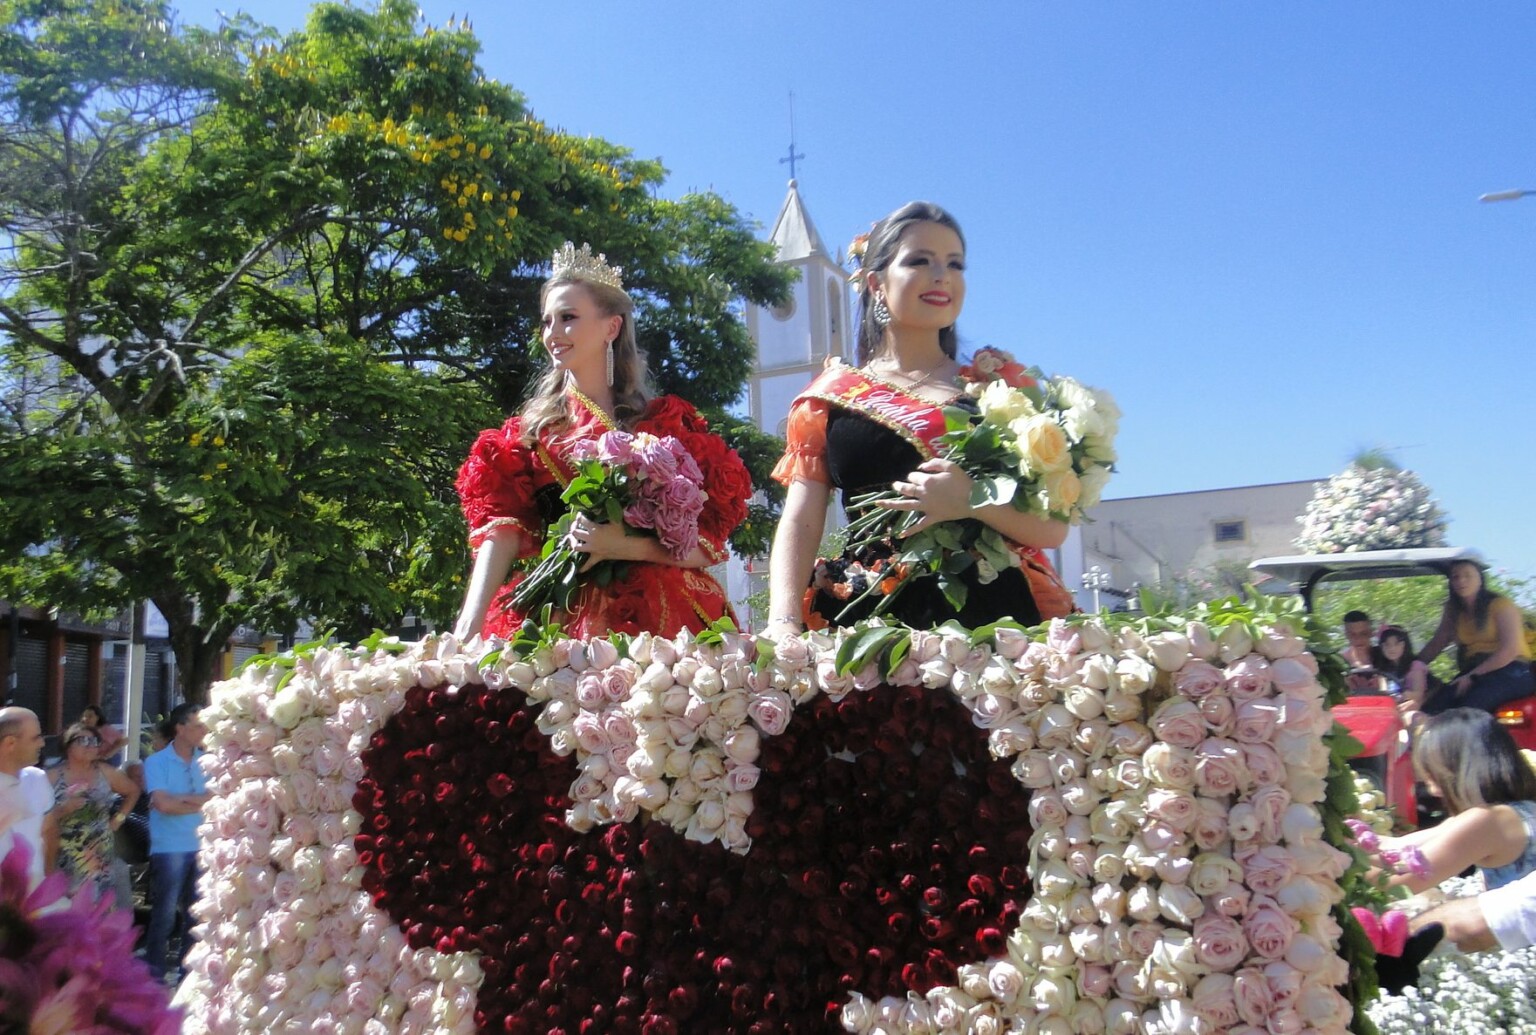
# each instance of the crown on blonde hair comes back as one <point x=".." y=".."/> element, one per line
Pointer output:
<point x="583" y="265"/>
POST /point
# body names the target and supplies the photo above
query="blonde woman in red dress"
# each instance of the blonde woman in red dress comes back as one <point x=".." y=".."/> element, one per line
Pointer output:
<point x="510" y="486"/>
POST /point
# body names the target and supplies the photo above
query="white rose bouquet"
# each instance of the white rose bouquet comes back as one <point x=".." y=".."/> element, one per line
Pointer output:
<point x="1041" y="445"/>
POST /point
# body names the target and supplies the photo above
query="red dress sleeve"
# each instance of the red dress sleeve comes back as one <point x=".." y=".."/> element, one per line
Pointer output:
<point x="805" y="452"/>
<point x="725" y="477"/>
<point x="496" y="487"/>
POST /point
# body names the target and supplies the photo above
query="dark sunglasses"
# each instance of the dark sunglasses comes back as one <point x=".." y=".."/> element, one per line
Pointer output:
<point x="89" y="742"/>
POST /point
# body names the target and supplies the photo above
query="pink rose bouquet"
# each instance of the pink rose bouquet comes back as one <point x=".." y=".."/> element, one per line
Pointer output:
<point x="646" y="482"/>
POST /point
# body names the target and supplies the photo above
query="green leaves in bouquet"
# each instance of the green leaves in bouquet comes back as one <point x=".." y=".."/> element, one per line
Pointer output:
<point x="885" y="646"/>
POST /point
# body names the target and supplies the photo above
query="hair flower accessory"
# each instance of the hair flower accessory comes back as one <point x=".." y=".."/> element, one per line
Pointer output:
<point x="856" y="249"/>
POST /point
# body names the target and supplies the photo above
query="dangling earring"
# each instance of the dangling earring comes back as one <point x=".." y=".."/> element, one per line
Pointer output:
<point x="610" y="364"/>
<point x="879" y="313"/>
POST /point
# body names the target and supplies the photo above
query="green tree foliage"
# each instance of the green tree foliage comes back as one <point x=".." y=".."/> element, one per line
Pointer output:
<point x="257" y="294"/>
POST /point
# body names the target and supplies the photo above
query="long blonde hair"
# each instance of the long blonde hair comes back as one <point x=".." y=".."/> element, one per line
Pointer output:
<point x="546" y="406"/>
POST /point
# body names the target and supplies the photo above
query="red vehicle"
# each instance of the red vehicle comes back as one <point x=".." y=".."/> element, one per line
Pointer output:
<point x="1372" y="718"/>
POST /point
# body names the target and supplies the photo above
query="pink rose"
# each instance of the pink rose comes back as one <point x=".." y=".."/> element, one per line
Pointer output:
<point x="1215" y="999"/>
<point x="1178" y="721"/>
<point x="1269" y="928"/>
<point x="1267" y="869"/>
<point x="1219" y="942"/>
<point x="1292" y="674"/>
<point x="1269" y="807"/>
<point x="619" y="728"/>
<point x="1248" y="677"/>
<point x="590" y="736"/>
<point x="1198" y="679"/>
<point x="1232" y="900"/>
<point x="1093" y="980"/>
<point x="616" y="681"/>
<point x="1300" y="712"/>
<point x="1063" y="637"/>
<point x="1256" y="721"/>
<point x="1263" y="763"/>
<point x="1254" y="1000"/>
<point x="1175" y="808"/>
<point x="589" y="691"/>
<point x="1219" y="713"/>
<point x="1285" y="982"/>
<point x="1046" y="810"/>
<point x="740" y="776"/>
<point x="771" y="711"/>
<point x="1220" y="768"/>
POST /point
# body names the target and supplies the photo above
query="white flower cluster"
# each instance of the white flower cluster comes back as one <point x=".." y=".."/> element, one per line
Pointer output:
<point x="672" y="730"/>
<point x="1181" y="883"/>
<point x="1064" y="444"/>
<point x="289" y="941"/>
<point x="1364" y="508"/>
<point x="1490" y="993"/>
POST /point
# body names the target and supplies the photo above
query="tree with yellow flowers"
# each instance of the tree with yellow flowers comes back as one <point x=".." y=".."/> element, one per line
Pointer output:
<point x="260" y="291"/>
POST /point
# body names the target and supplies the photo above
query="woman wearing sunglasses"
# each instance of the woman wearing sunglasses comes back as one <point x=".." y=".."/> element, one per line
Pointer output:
<point x="84" y="790"/>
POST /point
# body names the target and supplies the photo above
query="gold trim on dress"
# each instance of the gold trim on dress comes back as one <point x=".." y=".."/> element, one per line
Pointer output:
<point x="495" y="523"/>
<point x="592" y="408"/>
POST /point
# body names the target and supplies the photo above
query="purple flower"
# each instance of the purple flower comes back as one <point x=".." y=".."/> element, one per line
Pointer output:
<point x="68" y="966"/>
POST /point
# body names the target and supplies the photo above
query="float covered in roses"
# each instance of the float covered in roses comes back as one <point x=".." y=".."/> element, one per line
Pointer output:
<point x="1101" y="825"/>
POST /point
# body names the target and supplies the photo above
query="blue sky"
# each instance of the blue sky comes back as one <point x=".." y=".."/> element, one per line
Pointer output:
<point x="1256" y="224"/>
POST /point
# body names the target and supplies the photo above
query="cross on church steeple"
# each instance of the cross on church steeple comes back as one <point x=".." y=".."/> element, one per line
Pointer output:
<point x="793" y="157"/>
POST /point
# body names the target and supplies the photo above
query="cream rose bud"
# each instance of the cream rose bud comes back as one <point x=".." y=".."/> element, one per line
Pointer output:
<point x="1110" y="900"/>
<point x="1167" y="765"/>
<point x="1134" y="674"/>
<point x="989" y="711"/>
<point x="949" y="1007"/>
<point x="1011" y="738"/>
<point x="1168" y="650"/>
<point x="1055" y="727"/>
<point x="1280" y="641"/>
<point x="1129" y="738"/>
<point x="1113" y="821"/>
<point x="1097" y="672"/>
<point x="1083" y="702"/>
<point x="1141" y="903"/>
<point x="1108" y="865"/>
<point x="936" y="673"/>
<point x="1079" y="798"/>
<point x="1054" y="992"/>
<point x="1122" y="1017"/>
<point x="858" y="1014"/>
<point x="1300" y="824"/>
<point x="1233" y="642"/>
<point x="1179" y="903"/>
<point x="1004" y="981"/>
<point x="1174" y="870"/>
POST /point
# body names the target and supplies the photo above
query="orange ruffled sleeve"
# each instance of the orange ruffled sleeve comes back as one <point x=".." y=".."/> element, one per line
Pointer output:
<point x="805" y="452"/>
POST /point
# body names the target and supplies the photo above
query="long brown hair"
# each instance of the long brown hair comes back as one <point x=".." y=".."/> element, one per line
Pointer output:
<point x="878" y="253"/>
<point x="1480" y="603"/>
<point x="546" y="406"/>
<point x="1473" y="760"/>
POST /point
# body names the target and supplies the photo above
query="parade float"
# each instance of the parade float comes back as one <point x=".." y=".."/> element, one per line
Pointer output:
<point x="1106" y="824"/>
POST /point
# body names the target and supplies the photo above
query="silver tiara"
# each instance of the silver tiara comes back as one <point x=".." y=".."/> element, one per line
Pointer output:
<point x="583" y="265"/>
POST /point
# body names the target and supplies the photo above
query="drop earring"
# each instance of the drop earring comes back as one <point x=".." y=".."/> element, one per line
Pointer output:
<point x="610" y="364"/>
<point x="880" y="313"/>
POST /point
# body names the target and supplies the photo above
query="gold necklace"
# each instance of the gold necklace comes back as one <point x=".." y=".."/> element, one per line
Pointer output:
<point x="915" y="383"/>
